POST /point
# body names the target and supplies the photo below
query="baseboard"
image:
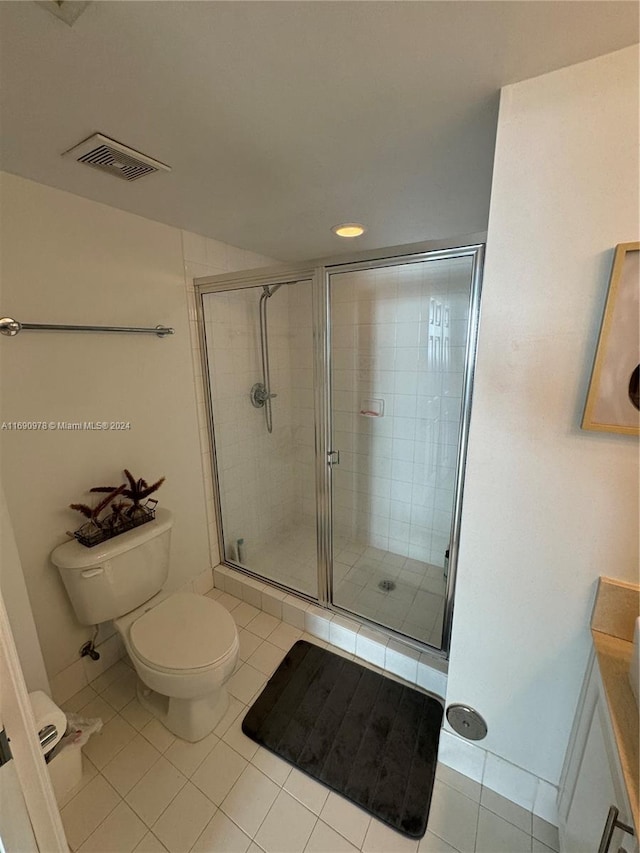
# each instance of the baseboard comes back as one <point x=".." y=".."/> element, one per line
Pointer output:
<point x="349" y="634"/>
<point x="521" y="787"/>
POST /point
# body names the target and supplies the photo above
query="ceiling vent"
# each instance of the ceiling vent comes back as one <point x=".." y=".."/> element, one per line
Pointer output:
<point x="110" y="156"/>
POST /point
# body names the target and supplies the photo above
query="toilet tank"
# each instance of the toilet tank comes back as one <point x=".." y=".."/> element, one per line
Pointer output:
<point x="116" y="576"/>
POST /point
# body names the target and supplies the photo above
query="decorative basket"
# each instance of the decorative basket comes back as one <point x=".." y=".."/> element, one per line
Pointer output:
<point x="89" y="534"/>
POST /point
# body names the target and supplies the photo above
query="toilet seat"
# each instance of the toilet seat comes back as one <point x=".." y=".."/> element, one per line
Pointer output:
<point x="184" y="632"/>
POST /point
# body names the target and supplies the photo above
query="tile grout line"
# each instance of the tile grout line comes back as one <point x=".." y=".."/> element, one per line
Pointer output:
<point x="120" y="799"/>
<point x="283" y="789"/>
<point x="295" y="633"/>
<point x="475" y="832"/>
<point x="313" y="828"/>
<point x="169" y="803"/>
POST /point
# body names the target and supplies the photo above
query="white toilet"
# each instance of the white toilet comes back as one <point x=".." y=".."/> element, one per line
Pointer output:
<point x="184" y="646"/>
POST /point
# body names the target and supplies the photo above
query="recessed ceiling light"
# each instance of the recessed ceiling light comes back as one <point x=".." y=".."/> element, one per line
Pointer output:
<point x="349" y="229"/>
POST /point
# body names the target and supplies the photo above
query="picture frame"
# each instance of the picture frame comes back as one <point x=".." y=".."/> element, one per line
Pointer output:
<point x="613" y="400"/>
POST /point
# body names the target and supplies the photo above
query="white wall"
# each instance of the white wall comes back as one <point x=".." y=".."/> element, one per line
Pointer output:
<point x="548" y="508"/>
<point x="66" y="259"/>
<point x="16" y="601"/>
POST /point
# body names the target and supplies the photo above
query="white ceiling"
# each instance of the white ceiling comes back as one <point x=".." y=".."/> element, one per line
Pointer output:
<point x="281" y="119"/>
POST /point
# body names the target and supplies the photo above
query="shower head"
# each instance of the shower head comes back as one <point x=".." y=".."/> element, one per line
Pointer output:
<point x="269" y="291"/>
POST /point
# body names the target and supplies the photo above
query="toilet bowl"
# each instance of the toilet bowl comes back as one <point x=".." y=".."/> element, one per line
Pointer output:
<point x="183" y="646"/>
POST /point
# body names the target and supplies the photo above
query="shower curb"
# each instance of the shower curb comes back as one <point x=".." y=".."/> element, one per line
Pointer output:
<point x="373" y="646"/>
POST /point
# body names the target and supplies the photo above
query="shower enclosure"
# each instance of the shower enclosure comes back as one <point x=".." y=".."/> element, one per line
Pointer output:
<point x="339" y="398"/>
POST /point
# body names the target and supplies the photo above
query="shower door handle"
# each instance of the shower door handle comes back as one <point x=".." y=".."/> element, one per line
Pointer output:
<point x="333" y="458"/>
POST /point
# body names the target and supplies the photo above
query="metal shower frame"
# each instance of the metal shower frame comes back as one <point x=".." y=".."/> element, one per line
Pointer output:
<point x="318" y="274"/>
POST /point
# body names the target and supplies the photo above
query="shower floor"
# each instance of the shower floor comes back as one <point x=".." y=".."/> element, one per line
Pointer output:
<point x="412" y="603"/>
<point x="415" y="603"/>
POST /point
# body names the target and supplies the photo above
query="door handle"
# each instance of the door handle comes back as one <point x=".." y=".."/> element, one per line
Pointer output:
<point x="611" y="824"/>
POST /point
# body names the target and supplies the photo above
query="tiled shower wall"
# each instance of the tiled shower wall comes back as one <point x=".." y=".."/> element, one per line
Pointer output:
<point x="300" y="318"/>
<point x="398" y="346"/>
<point x="266" y="480"/>
<point x="255" y="468"/>
<point x="205" y="257"/>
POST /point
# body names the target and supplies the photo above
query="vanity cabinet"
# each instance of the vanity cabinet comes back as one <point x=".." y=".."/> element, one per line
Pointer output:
<point x="592" y="785"/>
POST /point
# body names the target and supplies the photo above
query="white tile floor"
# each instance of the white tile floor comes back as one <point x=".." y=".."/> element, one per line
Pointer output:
<point x="414" y="607"/>
<point x="144" y="789"/>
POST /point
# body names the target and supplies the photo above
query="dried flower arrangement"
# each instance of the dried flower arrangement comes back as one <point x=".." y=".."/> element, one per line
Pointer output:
<point x="123" y="515"/>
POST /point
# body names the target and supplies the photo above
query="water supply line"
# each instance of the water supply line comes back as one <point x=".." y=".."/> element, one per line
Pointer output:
<point x="261" y="394"/>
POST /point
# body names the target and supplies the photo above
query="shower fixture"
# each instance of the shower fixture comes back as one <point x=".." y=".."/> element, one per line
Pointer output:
<point x="261" y="394"/>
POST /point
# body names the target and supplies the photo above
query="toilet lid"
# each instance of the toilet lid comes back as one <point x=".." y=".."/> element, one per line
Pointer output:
<point x="185" y="631"/>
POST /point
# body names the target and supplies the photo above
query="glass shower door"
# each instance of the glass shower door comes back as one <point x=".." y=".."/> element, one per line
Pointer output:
<point x="398" y="343"/>
<point x="259" y="348"/>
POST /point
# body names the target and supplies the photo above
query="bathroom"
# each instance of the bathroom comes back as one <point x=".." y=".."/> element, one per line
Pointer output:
<point x="537" y="521"/>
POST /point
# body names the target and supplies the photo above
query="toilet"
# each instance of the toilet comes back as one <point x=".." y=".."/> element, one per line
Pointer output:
<point x="183" y="646"/>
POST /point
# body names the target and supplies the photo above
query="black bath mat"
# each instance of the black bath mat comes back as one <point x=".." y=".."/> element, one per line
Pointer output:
<point x="367" y="737"/>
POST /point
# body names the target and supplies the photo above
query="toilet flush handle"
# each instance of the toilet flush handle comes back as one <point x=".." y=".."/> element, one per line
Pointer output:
<point x="91" y="573"/>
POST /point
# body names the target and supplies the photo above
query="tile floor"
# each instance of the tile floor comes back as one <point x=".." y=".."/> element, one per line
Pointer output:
<point x="415" y="606"/>
<point x="144" y="789"/>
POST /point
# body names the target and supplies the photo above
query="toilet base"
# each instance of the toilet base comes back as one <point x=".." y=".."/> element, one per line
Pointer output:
<point x="189" y="719"/>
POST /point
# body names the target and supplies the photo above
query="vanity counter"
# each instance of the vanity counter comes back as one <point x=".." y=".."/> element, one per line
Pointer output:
<point x="613" y="655"/>
<point x="598" y="795"/>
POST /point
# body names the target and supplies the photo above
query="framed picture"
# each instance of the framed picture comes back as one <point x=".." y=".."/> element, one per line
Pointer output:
<point x="613" y="401"/>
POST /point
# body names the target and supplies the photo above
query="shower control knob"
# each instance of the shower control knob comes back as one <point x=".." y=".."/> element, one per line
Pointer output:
<point x="259" y="395"/>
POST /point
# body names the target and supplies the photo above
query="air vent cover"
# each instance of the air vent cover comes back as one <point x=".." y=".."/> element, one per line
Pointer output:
<point x="115" y="158"/>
